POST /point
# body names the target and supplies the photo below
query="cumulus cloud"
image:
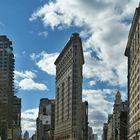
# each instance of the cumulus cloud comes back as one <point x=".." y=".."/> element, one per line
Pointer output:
<point x="29" y="84"/>
<point x="25" y="74"/>
<point x="45" y="61"/>
<point x="28" y="119"/>
<point x="24" y="81"/>
<point x="98" y="69"/>
<point x="61" y="13"/>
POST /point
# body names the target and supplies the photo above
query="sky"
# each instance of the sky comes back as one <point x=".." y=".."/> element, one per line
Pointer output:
<point x="39" y="29"/>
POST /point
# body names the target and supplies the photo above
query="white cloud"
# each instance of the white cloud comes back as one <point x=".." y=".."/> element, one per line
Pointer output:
<point x="33" y="56"/>
<point x="24" y="81"/>
<point x="28" y="119"/>
<point x="62" y="13"/>
<point x="29" y="84"/>
<point x="25" y="74"/>
<point x="98" y="69"/>
<point x="45" y="61"/>
<point x="92" y="83"/>
<point x="43" y="33"/>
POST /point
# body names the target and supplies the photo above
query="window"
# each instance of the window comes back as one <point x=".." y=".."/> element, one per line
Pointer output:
<point x="44" y="111"/>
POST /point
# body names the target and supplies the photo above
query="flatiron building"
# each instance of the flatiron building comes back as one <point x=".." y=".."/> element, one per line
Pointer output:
<point x="68" y="106"/>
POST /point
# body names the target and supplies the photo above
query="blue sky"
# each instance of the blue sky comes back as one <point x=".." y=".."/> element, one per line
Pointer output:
<point x="39" y="29"/>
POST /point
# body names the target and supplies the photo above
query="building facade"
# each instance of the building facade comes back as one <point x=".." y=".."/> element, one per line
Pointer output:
<point x="123" y="125"/>
<point x="90" y="133"/>
<point x="133" y="53"/>
<point x="104" y="135"/>
<point x="68" y="120"/>
<point x="7" y="97"/>
<point x="110" y="127"/>
<point x="46" y="119"/>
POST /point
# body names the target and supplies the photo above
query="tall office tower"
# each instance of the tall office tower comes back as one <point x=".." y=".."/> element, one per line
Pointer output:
<point x="116" y="116"/>
<point x="6" y="85"/>
<point x="120" y="118"/>
<point x="116" y="128"/>
<point x="26" y="135"/>
<point x="68" y="113"/>
<point x="7" y="106"/>
<point x="46" y="119"/>
<point x="133" y="53"/>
